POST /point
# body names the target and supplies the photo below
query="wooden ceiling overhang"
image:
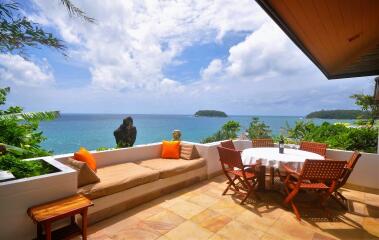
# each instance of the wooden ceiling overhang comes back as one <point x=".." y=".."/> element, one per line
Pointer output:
<point x="340" y="36"/>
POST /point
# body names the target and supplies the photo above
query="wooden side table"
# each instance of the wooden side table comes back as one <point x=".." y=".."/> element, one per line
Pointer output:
<point x="44" y="215"/>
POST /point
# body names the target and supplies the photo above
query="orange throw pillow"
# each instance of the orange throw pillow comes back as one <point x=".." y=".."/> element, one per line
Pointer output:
<point x="85" y="156"/>
<point x="170" y="149"/>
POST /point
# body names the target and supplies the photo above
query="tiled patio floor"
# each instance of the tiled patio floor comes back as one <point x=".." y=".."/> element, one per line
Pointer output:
<point x="201" y="212"/>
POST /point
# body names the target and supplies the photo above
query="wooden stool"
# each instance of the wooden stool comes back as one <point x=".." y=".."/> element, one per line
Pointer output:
<point x="45" y="214"/>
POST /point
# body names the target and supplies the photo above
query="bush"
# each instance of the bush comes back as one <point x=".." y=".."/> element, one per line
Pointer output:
<point x="337" y="136"/>
<point x="20" y="139"/>
<point x="258" y="129"/>
<point x="22" y="169"/>
<point x="228" y="131"/>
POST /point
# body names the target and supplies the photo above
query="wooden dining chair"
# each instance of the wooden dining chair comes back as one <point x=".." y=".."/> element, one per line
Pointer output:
<point x="240" y="180"/>
<point x="228" y="144"/>
<point x="344" y="177"/>
<point x="262" y="142"/>
<point x="315" y="147"/>
<point x="313" y="176"/>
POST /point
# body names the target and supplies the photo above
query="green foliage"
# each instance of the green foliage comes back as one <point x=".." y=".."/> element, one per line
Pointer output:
<point x="20" y="135"/>
<point x="28" y="116"/>
<point x="338" y="114"/>
<point x="103" y="148"/>
<point x="258" y="129"/>
<point x="3" y="94"/>
<point x="228" y="131"/>
<point x="337" y="136"/>
<point x="23" y="169"/>
<point x="17" y="31"/>
<point x="210" y="113"/>
<point x="367" y="103"/>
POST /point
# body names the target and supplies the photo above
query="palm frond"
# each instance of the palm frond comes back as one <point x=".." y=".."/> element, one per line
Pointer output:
<point x="13" y="149"/>
<point x="32" y="116"/>
<point x="75" y="11"/>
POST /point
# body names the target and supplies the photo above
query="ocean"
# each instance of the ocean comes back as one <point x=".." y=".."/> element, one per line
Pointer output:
<point x="71" y="131"/>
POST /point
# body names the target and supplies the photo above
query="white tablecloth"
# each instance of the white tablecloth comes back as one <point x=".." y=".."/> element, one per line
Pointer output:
<point x="272" y="158"/>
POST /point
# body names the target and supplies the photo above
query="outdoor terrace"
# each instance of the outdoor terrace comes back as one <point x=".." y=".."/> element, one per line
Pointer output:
<point x="202" y="212"/>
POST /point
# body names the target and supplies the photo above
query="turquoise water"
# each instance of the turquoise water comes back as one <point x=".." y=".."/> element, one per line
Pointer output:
<point x="70" y="131"/>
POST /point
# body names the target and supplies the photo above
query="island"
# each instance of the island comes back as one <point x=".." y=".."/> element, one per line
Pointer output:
<point x="210" y="113"/>
<point x="338" y="114"/>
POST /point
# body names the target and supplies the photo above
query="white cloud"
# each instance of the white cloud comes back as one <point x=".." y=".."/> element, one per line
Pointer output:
<point x="266" y="52"/>
<point x="214" y="68"/>
<point x="16" y="69"/>
<point x="132" y="41"/>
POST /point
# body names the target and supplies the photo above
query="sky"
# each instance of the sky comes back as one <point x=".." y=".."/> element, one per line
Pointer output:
<point x="170" y="57"/>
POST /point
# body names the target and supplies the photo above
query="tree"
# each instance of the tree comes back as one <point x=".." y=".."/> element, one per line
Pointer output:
<point x="258" y="129"/>
<point x="228" y="131"/>
<point x="19" y="131"/>
<point x="367" y="103"/>
<point x="17" y="32"/>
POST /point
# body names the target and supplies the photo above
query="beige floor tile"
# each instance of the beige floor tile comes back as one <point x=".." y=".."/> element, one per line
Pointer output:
<point x="189" y="231"/>
<point x="139" y="231"/>
<point x="202" y="212"/>
<point x="203" y="200"/>
<point x="290" y="228"/>
<point x="148" y="212"/>
<point x="216" y="237"/>
<point x="319" y="236"/>
<point x="164" y="221"/>
<point x="372" y="199"/>
<point x="352" y="194"/>
<point x="237" y="230"/>
<point x="267" y="236"/>
<point x="211" y="220"/>
<point x="185" y="209"/>
<point x="216" y="193"/>
<point x="113" y="225"/>
<point x="358" y="208"/>
<point x="96" y="237"/>
<point x="168" y="202"/>
<point x="256" y="220"/>
<point x="371" y="225"/>
<point x="163" y="237"/>
<point x="228" y="207"/>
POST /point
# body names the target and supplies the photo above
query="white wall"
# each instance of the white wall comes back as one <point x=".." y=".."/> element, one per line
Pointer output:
<point x="121" y="155"/>
<point x="366" y="171"/>
<point x="18" y="195"/>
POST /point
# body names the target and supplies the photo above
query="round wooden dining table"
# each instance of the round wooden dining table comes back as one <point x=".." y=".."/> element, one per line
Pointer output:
<point x="270" y="157"/>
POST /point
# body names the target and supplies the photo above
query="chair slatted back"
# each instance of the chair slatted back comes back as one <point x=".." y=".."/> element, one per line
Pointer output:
<point x="230" y="157"/>
<point x="322" y="169"/>
<point x="262" y="142"/>
<point x="349" y="168"/>
<point x="315" y="147"/>
<point x="228" y="144"/>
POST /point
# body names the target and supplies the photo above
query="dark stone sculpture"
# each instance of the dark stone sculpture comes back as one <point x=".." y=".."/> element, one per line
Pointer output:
<point x="126" y="133"/>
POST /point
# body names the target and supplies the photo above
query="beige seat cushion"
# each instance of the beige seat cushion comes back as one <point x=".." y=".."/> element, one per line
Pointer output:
<point x="117" y="178"/>
<point x="188" y="151"/>
<point x="85" y="174"/>
<point x="171" y="167"/>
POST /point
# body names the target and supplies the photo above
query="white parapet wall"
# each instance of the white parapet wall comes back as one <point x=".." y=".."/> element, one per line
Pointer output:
<point x="121" y="155"/>
<point x="365" y="175"/>
<point x="18" y="195"/>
